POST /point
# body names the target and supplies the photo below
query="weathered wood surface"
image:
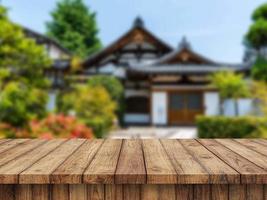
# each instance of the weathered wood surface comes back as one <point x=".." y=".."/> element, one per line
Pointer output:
<point x="203" y="161"/>
<point x="132" y="192"/>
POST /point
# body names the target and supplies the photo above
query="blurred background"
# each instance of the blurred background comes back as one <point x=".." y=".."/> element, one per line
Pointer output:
<point x="133" y="69"/>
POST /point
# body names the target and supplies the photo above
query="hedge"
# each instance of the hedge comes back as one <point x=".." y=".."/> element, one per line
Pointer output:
<point x="231" y="127"/>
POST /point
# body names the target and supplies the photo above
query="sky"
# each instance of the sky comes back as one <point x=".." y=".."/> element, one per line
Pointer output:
<point x="215" y="28"/>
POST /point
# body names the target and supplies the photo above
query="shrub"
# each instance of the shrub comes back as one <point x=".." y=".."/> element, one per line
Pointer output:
<point x="115" y="89"/>
<point x="60" y="126"/>
<point x="20" y="103"/>
<point x="92" y="105"/>
<point x="53" y="126"/>
<point x="231" y="127"/>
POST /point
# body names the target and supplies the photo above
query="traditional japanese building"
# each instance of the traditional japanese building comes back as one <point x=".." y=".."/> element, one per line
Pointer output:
<point x="163" y="85"/>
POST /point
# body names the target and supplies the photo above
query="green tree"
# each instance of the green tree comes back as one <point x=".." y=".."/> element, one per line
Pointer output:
<point x="259" y="69"/>
<point x="75" y="27"/>
<point x="20" y="103"/>
<point x="93" y="106"/>
<point x="22" y="82"/>
<point x="21" y="56"/>
<point x="115" y="89"/>
<point x="230" y="85"/>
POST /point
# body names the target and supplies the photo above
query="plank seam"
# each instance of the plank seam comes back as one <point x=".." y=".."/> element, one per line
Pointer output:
<point x="173" y="165"/>
<point x="143" y="153"/>
<point x="92" y="160"/>
<point x="116" y="168"/>
<point x="12" y="147"/>
<point x="250" y="147"/>
<point x="31" y="149"/>
<point x="65" y="159"/>
<point x="39" y="159"/>
<point x="198" y="161"/>
<point x="241" y="155"/>
<point x="220" y="159"/>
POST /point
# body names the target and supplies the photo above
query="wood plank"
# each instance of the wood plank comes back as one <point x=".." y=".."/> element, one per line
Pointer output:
<point x="11" y="144"/>
<point x="261" y="141"/>
<point x="188" y="169"/>
<point x="103" y="166"/>
<point x="220" y="172"/>
<point x="96" y="192"/>
<point x="7" y="192"/>
<point x="250" y="173"/>
<point x="252" y="144"/>
<point x="3" y="141"/>
<point x="131" y="166"/>
<point x="158" y="165"/>
<point x="23" y="192"/>
<point x="71" y="171"/>
<point x="41" y="192"/>
<point x="9" y="172"/>
<point x="265" y="192"/>
<point x="19" y="150"/>
<point x="237" y="192"/>
<point x="162" y="192"/>
<point x="39" y="172"/>
<point x="247" y="153"/>
<point x="202" y="192"/>
<point x="184" y="192"/>
<point x="255" y="192"/>
<point x="60" y="192"/>
<point x="219" y="192"/>
<point x="114" y="192"/>
<point x="132" y="192"/>
<point x="78" y="192"/>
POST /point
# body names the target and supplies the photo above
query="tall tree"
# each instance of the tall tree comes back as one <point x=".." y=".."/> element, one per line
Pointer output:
<point x="22" y="82"/>
<point x="75" y="27"/>
<point x="20" y="57"/>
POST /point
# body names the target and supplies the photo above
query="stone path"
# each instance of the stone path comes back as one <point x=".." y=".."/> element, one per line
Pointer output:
<point x="155" y="132"/>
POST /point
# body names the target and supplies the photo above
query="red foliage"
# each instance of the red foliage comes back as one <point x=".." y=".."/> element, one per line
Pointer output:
<point x="60" y="126"/>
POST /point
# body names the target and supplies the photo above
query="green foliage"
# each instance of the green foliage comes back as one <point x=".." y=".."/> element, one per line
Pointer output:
<point x="20" y="103"/>
<point x="259" y="69"/>
<point x="21" y="56"/>
<point x="230" y="85"/>
<point x="260" y="13"/>
<point x="259" y="89"/>
<point x="257" y="34"/>
<point x="93" y="106"/>
<point x="111" y="84"/>
<point x="75" y="27"/>
<point x="231" y="127"/>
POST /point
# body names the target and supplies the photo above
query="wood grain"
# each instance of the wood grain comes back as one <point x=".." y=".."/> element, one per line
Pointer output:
<point x="250" y="173"/>
<point x="131" y="167"/>
<point x="60" y="192"/>
<point x="252" y="144"/>
<point x="8" y="144"/>
<point x="237" y="192"/>
<point x="247" y="153"/>
<point x="41" y="192"/>
<point x="39" y="172"/>
<point x="220" y="172"/>
<point x="185" y="192"/>
<point x="7" y="192"/>
<point x="188" y="169"/>
<point x="77" y="192"/>
<point x="23" y="192"/>
<point x="18" y="150"/>
<point x="71" y="170"/>
<point x="114" y="192"/>
<point x="202" y="192"/>
<point x="96" y="192"/>
<point x="9" y="172"/>
<point x="103" y="166"/>
<point x="219" y="192"/>
<point x="255" y="192"/>
<point x="158" y="165"/>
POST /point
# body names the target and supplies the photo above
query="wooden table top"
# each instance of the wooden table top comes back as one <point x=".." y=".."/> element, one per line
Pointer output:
<point x="227" y="161"/>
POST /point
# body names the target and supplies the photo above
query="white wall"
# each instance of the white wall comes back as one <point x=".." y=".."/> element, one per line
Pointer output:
<point x="245" y="107"/>
<point x="211" y="103"/>
<point x="159" y="108"/>
<point x="136" y="118"/>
